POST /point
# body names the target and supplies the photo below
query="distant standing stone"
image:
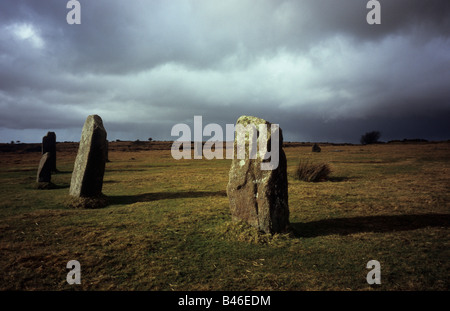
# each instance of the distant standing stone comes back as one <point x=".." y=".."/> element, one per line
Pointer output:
<point x="316" y="148"/>
<point x="44" y="170"/>
<point x="49" y="145"/>
<point x="107" y="151"/>
<point x="259" y="197"/>
<point x="89" y="167"/>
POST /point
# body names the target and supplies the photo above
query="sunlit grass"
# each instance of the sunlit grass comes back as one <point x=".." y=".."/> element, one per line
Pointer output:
<point x="168" y="226"/>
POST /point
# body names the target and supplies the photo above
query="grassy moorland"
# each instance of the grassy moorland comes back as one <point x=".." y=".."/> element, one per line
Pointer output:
<point x="167" y="225"/>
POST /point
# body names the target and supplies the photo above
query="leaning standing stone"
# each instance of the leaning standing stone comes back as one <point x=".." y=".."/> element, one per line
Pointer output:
<point x="89" y="167"/>
<point x="258" y="197"/>
<point x="44" y="170"/>
<point x="49" y="145"/>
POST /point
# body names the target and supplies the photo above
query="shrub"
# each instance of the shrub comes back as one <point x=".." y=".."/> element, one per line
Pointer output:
<point x="312" y="172"/>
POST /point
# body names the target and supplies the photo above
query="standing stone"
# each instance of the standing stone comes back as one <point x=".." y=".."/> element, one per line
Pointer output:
<point x="49" y="145"/>
<point x="259" y="197"/>
<point x="107" y="152"/>
<point x="316" y="148"/>
<point x="44" y="170"/>
<point x="89" y="167"/>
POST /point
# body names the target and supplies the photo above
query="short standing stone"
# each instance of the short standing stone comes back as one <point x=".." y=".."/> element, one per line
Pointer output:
<point x="316" y="148"/>
<point x="49" y="145"/>
<point x="44" y="170"/>
<point x="259" y="197"/>
<point x="89" y="167"/>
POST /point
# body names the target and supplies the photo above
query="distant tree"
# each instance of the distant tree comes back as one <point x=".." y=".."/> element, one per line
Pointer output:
<point x="150" y="139"/>
<point x="370" y="138"/>
<point x="12" y="142"/>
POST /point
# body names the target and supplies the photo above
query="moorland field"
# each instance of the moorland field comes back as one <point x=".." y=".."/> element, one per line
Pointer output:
<point x="167" y="225"/>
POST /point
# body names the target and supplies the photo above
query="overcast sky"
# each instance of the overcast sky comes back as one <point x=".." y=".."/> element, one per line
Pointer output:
<point x="313" y="66"/>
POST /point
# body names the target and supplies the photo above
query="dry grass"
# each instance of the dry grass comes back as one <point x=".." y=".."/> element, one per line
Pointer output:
<point x="312" y="172"/>
<point x="89" y="203"/>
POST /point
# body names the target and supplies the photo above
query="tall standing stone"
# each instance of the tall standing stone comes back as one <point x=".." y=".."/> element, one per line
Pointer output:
<point x="44" y="174"/>
<point x="49" y="145"/>
<point x="89" y="167"/>
<point x="258" y="197"/>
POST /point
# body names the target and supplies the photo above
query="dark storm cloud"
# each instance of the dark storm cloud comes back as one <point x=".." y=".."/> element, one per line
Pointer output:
<point x="315" y="67"/>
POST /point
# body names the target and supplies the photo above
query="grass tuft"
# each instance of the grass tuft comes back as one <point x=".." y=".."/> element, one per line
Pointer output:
<point x="87" y="203"/>
<point x="312" y="172"/>
<point x="243" y="232"/>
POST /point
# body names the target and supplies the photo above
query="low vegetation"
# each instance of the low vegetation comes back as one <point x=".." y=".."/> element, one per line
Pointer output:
<point x="312" y="172"/>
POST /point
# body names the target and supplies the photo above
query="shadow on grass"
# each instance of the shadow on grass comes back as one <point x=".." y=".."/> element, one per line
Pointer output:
<point x="330" y="179"/>
<point x="380" y="224"/>
<point x="48" y="186"/>
<point x="148" y="197"/>
<point x="62" y="186"/>
<point x="338" y="178"/>
<point x="126" y="170"/>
